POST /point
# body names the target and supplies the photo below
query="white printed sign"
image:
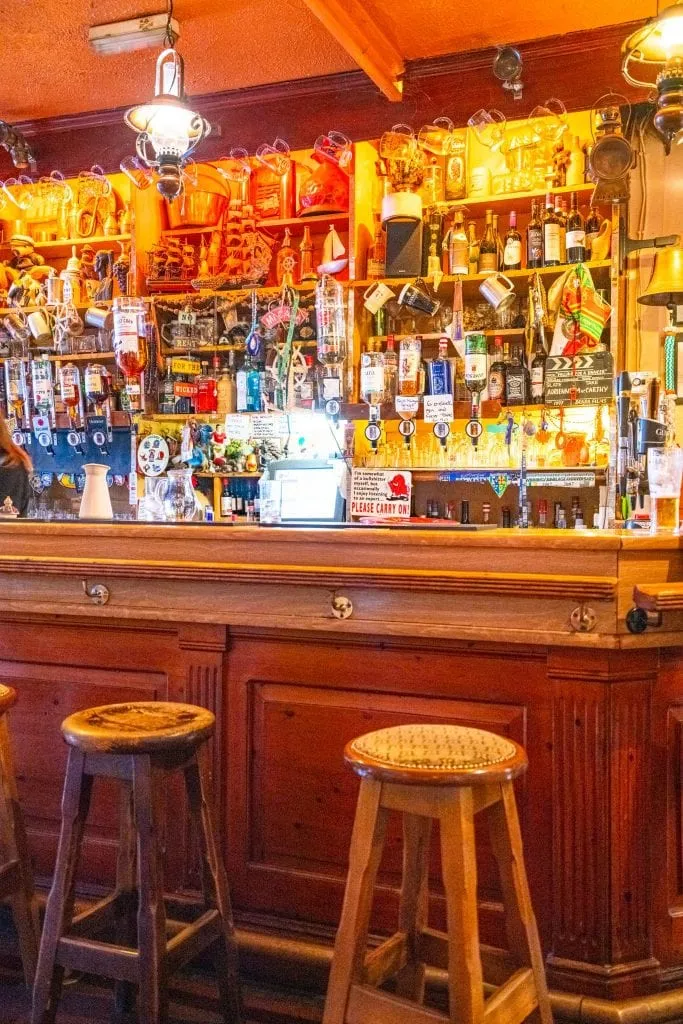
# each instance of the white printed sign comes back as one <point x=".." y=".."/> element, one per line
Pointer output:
<point x="238" y="426"/>
<point x="438" y="408"/>
<point x="267" y="427"/>
<point x="382" y="494"/>
<point x="407" y="406"/>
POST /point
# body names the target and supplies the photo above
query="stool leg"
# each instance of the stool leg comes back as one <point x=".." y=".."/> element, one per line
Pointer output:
<point x="60" y="904"/>
<point x="13" y="842"/>
<point x="367" y="843"/>
<point x="413" y="908"/>
<point x="126" y="931"/>
<point x="520" y="922"/>
<point x="215" y="885"/>
<point x="153" y="989"/>
<point x="459" y="869"/>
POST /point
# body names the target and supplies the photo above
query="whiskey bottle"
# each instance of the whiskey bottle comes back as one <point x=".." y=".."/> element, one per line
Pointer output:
<point x="516" y="380"/>
<point x="538" y="374"/>
<point x="496" y="384"/>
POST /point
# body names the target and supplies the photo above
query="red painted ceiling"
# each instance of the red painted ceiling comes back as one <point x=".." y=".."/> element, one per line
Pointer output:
<point x="49" y="68"/>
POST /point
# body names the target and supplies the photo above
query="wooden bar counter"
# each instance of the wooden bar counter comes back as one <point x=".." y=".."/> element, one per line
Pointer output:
<point x="300" y="639"/>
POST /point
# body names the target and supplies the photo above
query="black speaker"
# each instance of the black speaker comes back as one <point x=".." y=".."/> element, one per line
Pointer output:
<point x="404" y="247"/>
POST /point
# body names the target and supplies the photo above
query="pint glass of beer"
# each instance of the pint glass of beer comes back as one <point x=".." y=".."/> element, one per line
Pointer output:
<point x="664" y="471"/>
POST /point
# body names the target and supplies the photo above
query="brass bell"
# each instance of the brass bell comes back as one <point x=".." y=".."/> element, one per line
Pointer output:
<point x="666" y="284"/>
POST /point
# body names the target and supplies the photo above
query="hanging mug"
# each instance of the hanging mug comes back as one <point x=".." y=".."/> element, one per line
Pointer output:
<point x="418" y="298"/>
<point x="102" y="319"/>
<point x="498" y="290"/>
<point x="40" y="324"/>
<point x="376" y="296"/>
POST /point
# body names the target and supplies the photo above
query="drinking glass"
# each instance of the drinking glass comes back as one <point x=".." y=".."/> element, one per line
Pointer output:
<point x="489" y="127"/>
<point x="436" y="138"/>
<point x="665" y="471"/>
<point x="139" y="173"/>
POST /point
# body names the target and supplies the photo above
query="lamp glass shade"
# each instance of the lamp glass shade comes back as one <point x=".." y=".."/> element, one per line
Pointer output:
<point x="666" y="284"/>
<point x="649" y="48"/>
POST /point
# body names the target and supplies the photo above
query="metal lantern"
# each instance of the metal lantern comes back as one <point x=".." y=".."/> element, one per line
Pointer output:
<point x="168" y="129"/>
<point x="653" y="58"/>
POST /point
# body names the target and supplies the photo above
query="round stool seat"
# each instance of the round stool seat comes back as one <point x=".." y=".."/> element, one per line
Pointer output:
<point x="448" y="755"/>
<point x="7" y="698"/>
<point x="143" y="727"/>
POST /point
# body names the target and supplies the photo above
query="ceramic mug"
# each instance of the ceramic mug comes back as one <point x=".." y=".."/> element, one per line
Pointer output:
<point x="40" y="324"/>
<point x="498" y="290"/>
<point x="376" y="296"/>
<point x="416" y="297"/>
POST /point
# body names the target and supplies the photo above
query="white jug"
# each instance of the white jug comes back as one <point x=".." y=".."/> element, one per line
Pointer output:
<point x="95" y="503"/>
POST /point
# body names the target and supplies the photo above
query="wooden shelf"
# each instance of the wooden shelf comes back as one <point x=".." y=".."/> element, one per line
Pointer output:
<point x="77" y="357"/>
<point x="232" y="476"/>
<point x="477" y="278"/>
<point x="317" y="220"/>
<point x="180" y="351"/>
<point x="63" y="246"/>
<point x="512" y="200"/>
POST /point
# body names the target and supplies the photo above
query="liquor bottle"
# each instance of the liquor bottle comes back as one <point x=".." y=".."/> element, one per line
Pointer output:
<point x="96" y="387"/>
<point x="377" y="253"/>
<point x="561" y="214"/>
<point x="499" y="243"/>
<point x="472" y="249"/>
<point x="410" y="357"/>
<point x="305" y="398"/>
<point x="516" y="380"/>
<point x="330" y="315"/>
<point x="575" y="167"/>
<point x="70" y="391"/>
<point x="248" y="387"/>
<point x="226" y="390"/>
<point x="372" y="378"/>
<point x="488" y="250"/>
<point x="285" y="264"/>
<point x="432" y="183"/>
<point x="512" y="252"/>
<point x="592" y="230"/>
<point x="538" y="374"/>
<point x="206" y="400"/>
<point x="496" y="384"/>
<point x="534" y="240"/>
<point x="306" y="268"/>
<point x="167" y="394"/>
<point x="390" y="369"/>
<point x="43" y="389"/>
<point x="551" y="235"/>
<point x="439" y="372"/>
<point x="476" y="359"/>
<point x="576" y="234"/>
<point x="226" y="501"/>
<point x="458" y="255"/>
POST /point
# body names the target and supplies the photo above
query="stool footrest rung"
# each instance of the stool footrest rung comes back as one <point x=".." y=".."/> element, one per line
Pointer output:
<point x="94" y="957"/>
<point x="95" y="918"/>
<point x="193" y="939"/>
<point x="368" y="1004"/>
<point x="498" y="965"/>
<point x="387" y="960"/>
<point x="514" y="1001"/>
<point x="10" y="878"/>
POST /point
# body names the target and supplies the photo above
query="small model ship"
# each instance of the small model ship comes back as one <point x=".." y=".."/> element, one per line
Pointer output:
<point x="247" y="254"/>
<point x="334" y="254"/>
<point x="170" y="265"/>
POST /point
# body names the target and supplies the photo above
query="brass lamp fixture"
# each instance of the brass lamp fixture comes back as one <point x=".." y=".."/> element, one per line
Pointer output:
<point x="168" y="129"/>
<point x="653" y="58"/>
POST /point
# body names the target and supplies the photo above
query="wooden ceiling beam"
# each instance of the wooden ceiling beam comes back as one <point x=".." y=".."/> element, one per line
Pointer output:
<point x="354" y="29"/>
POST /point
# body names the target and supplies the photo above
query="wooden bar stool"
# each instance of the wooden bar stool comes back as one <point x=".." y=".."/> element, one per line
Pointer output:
<point x="139" y="744"/>
<point x="16" y="878"/>
<point x="449" y="773"/>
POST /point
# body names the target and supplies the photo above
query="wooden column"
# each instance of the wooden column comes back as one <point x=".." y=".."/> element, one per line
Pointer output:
<point x="602" y="825"/>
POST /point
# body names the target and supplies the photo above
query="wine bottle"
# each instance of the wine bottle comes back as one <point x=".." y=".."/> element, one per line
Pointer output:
<point x="551" y="235"/>
<point x="512" y="253"/>
<point x="458" y="254"/>
<point x="538" y="374"/>
<point x="561" y="214"/>
<point x="534" y="239"/>
<point x="499" y="242"/>
<point x="576" y="234"/>
<point x="488" y="250"/>
<point x="472" y="248"/>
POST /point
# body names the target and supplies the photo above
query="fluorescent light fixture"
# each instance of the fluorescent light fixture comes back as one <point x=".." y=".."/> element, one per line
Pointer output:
<point x="134" y="34"/>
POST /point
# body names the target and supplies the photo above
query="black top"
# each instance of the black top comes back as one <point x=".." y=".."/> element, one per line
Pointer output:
<point x="15" y="489"/>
